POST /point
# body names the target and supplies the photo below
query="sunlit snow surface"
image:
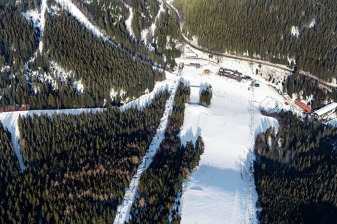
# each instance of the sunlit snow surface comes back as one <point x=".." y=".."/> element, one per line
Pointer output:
<point x="216" y="192"/>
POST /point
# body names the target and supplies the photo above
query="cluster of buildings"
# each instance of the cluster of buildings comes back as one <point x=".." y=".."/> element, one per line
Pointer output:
<point x="230" y="73"/>
<point x="321" y="113"/>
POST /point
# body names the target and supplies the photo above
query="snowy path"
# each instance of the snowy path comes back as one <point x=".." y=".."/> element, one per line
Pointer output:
<point x="42" y="22"/>
<point x="10" y="119"/>
<point x="222" y="190"/>
<point x="123" y="209"/>
<point x="128" y="22"/>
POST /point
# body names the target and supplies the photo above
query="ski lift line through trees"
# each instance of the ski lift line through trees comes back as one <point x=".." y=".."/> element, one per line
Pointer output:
<point x="252" y="143"/>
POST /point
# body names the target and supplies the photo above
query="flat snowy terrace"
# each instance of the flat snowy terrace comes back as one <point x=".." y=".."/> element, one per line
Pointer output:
<point x="221" y="190"/>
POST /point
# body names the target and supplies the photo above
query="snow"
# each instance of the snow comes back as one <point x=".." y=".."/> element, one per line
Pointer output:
<point x="38" y="20"/>
<point x="78" y="86"/>
<point x="326" y="109"/>
<point x="56" y="73"/>
<point x="60" y="72"/>
<point x="265" y="72"/>
<point x="123" y="209"/>
<point x="153" y="25"/>
<point x="10" y="119"/>
<point x="113" y="93"/>
<point x="75" y="12"/>
<point x="128" y="22"/>
<point x="228" y="128"/>
<point x="312" y="23"/>
<point x="151" y="30"/>
<point x="42" y="22"/>
<point x="216" y="192"/>
<point x="295" y="31"/>
<point x="54" y="10"/>
<point x="4" y="68"/>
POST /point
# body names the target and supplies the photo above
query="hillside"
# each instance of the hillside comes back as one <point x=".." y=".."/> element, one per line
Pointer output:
<point x="277" y="31"/>
<point x="295" y="172"/>
<point x="168" y="111"/>
<point x="76" y="54"/>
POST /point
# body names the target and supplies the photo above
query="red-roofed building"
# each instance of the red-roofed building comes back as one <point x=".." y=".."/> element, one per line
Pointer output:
<point x="305" y="107"/>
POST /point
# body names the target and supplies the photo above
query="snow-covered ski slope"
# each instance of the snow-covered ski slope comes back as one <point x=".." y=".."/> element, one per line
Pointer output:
<point x="10" y="119"/>
<point x="123" y="210"/>
<point x="221" y="189"/>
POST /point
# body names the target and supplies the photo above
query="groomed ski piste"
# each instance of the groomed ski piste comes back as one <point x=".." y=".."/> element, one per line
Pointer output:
<point x="10" y="119"/>
<point x="222" y="189"/>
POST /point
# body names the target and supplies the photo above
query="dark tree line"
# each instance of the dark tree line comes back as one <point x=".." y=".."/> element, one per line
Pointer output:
<point x="98" y="64"/>
<point x="18" y="39"/>
<point x="264" y="28"/>
<point x="295" y="172"/>
<point x="160" y="183"/>
<point x="206" y="97"/>
<point x="145" y="12"/>
<point x="9" y="165"/>
<point x="167" y="35"/>
<point x="304" y="88"/>
<point x="77" y="165"/>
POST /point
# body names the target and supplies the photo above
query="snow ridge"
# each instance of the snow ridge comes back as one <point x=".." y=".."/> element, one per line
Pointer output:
<point x="123" y="209"/>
